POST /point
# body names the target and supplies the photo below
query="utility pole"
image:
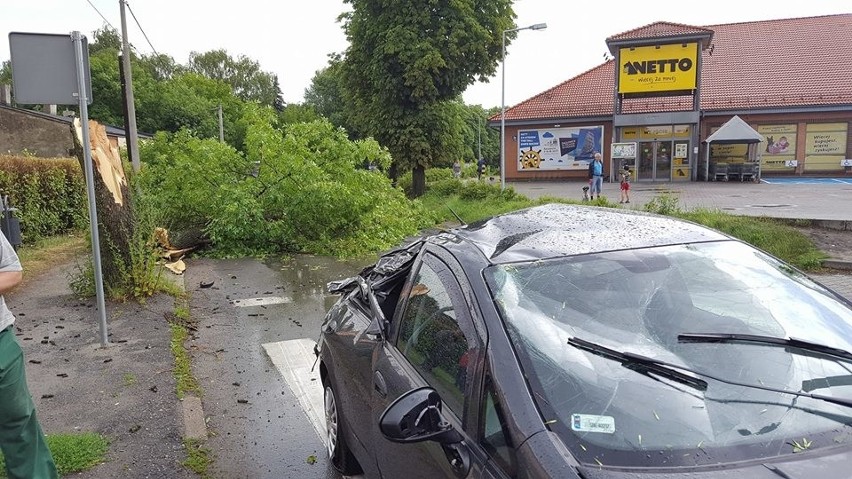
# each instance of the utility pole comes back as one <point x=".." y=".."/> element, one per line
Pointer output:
<point x="132" y="138"/>
<point x="221" y="125"/>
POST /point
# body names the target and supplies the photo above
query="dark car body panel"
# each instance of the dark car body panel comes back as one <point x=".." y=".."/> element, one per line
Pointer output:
<point x="370" y="372"/>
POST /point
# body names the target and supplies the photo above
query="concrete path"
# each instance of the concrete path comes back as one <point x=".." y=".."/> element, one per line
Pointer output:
<point x="816" y="202"/>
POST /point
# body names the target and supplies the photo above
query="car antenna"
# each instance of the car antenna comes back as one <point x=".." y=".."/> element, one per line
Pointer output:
<point x="456" y="215"/>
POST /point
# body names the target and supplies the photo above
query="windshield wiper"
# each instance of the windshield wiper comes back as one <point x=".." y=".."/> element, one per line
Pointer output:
<point x="639" y="362"/>
<point x="669" y="370"/>
<point x="765" y="340"/>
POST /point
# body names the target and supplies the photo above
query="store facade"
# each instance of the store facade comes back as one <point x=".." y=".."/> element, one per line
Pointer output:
<point x="676" y="85"/>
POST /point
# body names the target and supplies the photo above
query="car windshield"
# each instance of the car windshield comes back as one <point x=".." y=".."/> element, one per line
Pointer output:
<point x="610" y="410"/>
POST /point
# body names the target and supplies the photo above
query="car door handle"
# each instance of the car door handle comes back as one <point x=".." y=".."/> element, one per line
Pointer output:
<point x="379" y="384"/>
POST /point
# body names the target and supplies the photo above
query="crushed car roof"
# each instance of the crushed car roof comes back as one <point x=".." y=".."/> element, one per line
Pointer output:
<point x="555" y="230"/>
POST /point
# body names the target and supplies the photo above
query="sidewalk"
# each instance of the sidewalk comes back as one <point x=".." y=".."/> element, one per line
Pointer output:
<point x="794" y="201"/>
<point x="126" y="391"/>
<point x="824" y="206"/>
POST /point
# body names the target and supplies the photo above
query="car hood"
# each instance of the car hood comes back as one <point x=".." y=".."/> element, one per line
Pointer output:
<point x="834" y="465"/>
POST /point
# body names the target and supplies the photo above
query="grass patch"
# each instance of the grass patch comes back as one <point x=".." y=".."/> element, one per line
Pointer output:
<point x="768" y="234"/>
<point x="186" y="382"/>
<point x="474" y="201"/>
<point x="46" y="253"/>
<point x="72" y="452"/>
<point x="198" y="457"/>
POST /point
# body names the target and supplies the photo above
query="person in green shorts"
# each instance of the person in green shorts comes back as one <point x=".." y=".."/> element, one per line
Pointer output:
<point x="21" y="438"/>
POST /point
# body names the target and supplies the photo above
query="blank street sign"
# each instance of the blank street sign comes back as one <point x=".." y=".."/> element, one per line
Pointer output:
<point x="44" y="69"/>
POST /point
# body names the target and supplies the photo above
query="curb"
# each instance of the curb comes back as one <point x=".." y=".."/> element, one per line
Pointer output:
<point x="838" y="225"/>
<point x="840" y="264"/>
<point x="194" y="422"/>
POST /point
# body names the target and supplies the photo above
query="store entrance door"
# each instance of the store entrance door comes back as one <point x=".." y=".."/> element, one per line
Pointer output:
<point x="655" y="161"/>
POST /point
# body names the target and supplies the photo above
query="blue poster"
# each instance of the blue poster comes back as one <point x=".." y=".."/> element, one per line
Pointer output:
<point x="558" y="148"/>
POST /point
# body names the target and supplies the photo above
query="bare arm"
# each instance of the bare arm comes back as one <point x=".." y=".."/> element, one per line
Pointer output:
<point x="9" y="279"/>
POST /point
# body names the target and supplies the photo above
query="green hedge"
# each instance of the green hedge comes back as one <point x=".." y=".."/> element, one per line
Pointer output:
<point x="50" y="194"/>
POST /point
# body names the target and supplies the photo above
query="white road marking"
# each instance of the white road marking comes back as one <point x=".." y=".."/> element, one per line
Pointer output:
<point x="266" y="300"/>
<point x="294" y="360"/>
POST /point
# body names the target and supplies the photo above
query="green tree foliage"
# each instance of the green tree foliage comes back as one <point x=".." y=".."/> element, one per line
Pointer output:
<point x="248" y="81"/>
<point x="297" y="113"/>
<point x="6" y="72"/>
<point x="305" y="190"/>
<point x="105" y="38"/>
<point x="405" y="63"/>
<point x="161" y="67"/>
<point x="327" y="96"/>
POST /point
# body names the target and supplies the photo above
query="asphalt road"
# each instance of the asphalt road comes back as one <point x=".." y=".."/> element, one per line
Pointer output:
<point x="258" y="424"/>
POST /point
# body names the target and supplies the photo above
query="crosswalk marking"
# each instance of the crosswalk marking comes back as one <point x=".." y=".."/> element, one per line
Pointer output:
<point x="264" y="301"/>
<point x="294" y="359"/>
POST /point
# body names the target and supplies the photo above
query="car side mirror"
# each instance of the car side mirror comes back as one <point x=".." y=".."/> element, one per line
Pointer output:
<point x="415" y="417"/>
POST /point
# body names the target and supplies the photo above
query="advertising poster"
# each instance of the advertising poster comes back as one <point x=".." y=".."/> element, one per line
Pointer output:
<point x="825" y="146"/>
<point x="558" y="148"/>
<point x="623" y="150"/>
<point x="778" y="148"/>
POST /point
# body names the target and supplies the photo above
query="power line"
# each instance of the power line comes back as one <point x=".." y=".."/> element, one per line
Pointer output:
<point x="140" y="28"/>
<point x="101" y="14"/>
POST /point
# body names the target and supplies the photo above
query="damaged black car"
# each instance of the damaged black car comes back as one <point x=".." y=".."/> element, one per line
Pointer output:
<point x="582" y="342"/>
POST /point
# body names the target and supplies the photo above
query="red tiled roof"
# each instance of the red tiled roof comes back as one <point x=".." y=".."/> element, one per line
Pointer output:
<point x="752" y="65"/>
<point x="660" y="29"/>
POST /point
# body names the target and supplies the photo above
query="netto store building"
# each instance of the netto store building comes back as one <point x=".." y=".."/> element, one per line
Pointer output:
<point x="670" y="86"/>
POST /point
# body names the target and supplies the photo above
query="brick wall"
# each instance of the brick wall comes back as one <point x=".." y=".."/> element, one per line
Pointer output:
<point x="39" y="136"/>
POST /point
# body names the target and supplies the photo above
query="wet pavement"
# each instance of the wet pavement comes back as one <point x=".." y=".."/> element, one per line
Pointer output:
<point x="258" y="426"/>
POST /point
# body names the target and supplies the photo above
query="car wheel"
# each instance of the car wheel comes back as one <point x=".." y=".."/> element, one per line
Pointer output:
<point x="338" y="452"/>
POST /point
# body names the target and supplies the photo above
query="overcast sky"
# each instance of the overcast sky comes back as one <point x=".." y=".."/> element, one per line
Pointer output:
<point x="293" y="39"/>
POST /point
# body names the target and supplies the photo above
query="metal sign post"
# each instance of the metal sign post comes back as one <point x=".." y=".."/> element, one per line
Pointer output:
<point x="90" y="183"/>
<point x="48" y="69"/>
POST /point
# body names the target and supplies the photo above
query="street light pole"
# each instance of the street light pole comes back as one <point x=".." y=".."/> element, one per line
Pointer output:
<point x="537" y="26"/>
<point x="478" y="138"/>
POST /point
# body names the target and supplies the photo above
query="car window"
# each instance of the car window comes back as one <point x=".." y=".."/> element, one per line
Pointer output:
<point x="611" y="412"/>
<point x="430" y="336"/>
<point x="495" y="435"/>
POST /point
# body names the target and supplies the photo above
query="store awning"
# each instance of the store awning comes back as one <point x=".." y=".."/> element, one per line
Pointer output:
<point x="735" y="130"/>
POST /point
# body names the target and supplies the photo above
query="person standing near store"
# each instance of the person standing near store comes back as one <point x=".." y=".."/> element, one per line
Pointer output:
<point x="21" y="438"/>
<point x="480" y="168"/>
<point x="596" y="169"/>
<point x="625" y="185"/>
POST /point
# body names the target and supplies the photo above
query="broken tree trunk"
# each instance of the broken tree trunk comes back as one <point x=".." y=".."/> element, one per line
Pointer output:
<point x="113" y="202"/>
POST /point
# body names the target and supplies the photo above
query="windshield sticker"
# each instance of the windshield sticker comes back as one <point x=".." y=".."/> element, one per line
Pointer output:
<point x="592" y="423"/>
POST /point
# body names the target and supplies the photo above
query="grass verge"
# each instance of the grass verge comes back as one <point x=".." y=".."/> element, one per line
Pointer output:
<point x="198" y="458"/>
<point x="44" y="254"/>
<point x="474" y="201"/>
<point x="185" y="381"/>
<point x="73" y="452"/>
<point x="768" y="234"/>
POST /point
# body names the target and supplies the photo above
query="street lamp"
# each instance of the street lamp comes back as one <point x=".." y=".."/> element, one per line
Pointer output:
<point x="537" y="26"/>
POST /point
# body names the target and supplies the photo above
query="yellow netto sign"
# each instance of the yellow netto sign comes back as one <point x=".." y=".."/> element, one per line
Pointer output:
<point x="661" y="68"/>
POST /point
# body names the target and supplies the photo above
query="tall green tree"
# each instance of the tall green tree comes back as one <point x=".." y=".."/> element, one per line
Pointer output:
<point x="408" y="61"/>
<point x="248" y="81"/>
<point x="327" y="96"/>
<point x="105" y="38"/>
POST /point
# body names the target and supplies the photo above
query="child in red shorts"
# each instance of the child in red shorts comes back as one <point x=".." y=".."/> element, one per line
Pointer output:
<point x="625" y="185"/>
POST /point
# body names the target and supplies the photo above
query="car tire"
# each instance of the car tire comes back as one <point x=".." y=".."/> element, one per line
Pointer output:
<point x="338" y="452"/>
